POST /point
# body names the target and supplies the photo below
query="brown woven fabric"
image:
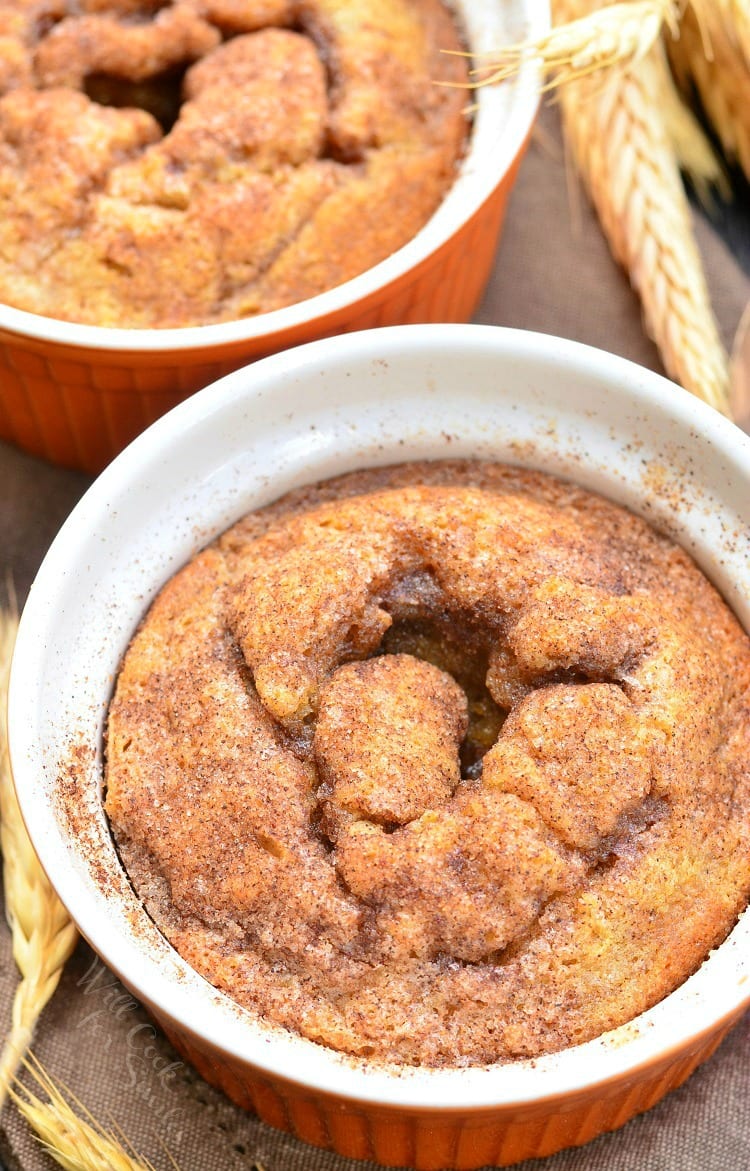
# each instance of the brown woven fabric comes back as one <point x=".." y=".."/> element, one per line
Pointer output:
<point x="553" y="273"/>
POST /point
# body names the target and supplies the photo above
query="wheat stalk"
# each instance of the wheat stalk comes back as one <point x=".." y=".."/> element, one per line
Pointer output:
<point x="605" y="39"/>
<point x="43" y="935"/>
<point x="612" y="37"/>
<point x="624" y="154"/>
<point x="713" y="53"/>
<point x="600" y="39"/>
<point x="629" y="133"/>
<point x="74" y="1140"/>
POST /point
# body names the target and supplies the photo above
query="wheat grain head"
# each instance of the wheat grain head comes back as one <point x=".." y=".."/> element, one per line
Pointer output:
<point x="622" y="149"/>
<point x="601" y="39"/>
<point x="73" y="1139"/>
<point x="42" y="933"/>
<point x="708" y="55"/>
<point x="695" y="155"/>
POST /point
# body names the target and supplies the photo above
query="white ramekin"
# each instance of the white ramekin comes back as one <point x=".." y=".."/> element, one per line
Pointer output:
<point x="376" y="397"/>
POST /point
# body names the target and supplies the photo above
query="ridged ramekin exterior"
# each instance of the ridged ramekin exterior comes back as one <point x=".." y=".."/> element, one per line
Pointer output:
<point x="431" y="1141"/>
<point x="80" y="406"/>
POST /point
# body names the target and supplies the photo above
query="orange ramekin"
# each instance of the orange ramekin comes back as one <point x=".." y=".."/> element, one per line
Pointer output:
<point x="76" y="394"/>
<point x="360" y="400"/>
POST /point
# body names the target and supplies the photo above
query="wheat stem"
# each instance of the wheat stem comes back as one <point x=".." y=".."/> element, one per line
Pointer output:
<point x="42" y="933"/>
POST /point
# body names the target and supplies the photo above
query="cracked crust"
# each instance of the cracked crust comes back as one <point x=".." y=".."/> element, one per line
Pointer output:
<point x="297" y="120"/>
<point x="562" y="829"/>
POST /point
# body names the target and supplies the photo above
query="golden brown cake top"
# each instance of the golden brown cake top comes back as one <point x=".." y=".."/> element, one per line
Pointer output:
<point x="442" y="764"/>
<point x="181" y="163"/>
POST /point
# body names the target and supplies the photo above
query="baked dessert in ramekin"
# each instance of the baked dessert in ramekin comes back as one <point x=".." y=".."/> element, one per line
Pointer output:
<point x="329" y="409"/>
<point x="193" y="163"/>
<point x="294" y="227"/>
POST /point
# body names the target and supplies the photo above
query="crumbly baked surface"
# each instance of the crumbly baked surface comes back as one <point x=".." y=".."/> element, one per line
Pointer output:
<point x="440" y="764"/>
<point x="311" y="143"/>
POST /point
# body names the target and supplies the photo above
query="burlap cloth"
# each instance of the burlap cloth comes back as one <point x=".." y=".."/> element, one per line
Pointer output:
<point x="554" y="274"/>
